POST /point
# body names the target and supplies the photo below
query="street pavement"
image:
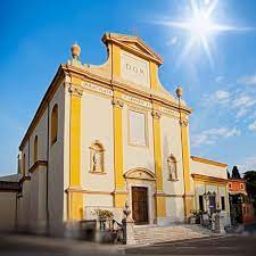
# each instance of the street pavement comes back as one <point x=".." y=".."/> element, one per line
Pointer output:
<point x="225" y="245"/>
<point x="19" y="245"/>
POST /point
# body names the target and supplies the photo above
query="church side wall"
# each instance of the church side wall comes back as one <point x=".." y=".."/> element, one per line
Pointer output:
<point x="37" y="213"/>
<point x="32" y="205"/>
<point x="56" y="168"/>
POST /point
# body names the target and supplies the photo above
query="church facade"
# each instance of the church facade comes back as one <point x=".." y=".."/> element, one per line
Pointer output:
<point x="104" y="135"/>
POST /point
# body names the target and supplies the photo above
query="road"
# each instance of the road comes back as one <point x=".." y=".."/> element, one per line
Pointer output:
<point x="228" y="245"/>
<point x="13" y="245"/>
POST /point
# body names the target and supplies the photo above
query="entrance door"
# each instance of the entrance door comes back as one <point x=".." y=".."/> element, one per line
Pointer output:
<point x="140" y="205"/>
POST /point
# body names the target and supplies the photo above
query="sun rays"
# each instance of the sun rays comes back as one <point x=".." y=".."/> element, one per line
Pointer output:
<point x="200" y="27"/>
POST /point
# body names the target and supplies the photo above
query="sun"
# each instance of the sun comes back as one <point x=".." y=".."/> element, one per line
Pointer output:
<point x="200" y="26"/>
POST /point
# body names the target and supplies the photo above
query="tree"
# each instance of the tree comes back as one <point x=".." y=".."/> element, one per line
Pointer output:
<point x="250" y="177"/>
<point x="235" y="173"/>
<point x="228" y="174"/>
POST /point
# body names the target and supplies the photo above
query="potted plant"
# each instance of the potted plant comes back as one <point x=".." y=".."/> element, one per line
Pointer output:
<point x="103" y="217"/>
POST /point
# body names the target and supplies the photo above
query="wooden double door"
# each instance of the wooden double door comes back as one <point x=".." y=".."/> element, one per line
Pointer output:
<point x="140" y="205"/>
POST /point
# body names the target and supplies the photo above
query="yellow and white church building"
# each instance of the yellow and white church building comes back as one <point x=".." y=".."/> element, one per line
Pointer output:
<point x="107" y="134"/>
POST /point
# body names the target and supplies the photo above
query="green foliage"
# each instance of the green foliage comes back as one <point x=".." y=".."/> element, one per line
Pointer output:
<point x="104" y="213"/>
<point x="250" y="177"/>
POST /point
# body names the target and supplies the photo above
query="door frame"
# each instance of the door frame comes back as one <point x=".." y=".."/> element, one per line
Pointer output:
<point x="150" y="206"/>
<point x="147" y="198"/>
<point x="142" y="177"/>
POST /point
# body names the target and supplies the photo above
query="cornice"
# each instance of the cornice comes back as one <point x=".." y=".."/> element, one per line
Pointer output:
<point x="24" y="178"/>
<point x="44" y="102"/>
<point x="37" y="164"/>
<point x="205" y="178"/>
<point x="122" y="40"/>
<point x="208" y="161"/>
<point x="68" y="70"/>
<point x="125" y="87"/>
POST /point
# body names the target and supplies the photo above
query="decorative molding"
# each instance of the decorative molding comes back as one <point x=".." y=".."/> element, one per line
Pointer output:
<point x="156" y="114"/>
<point x="170" y="112"/>
<point x="140" y="173"/>
<point x="10" y="186"/>
<point x="37" y="164"/>
<point x="24" y="178"/>
<point x="208" y="161"/>
<point x="160" y="194"/>
<point x="205" y="178"/>
<point x="97" y="88"/>
<point x="128" y="43"/>
<point x="75" y="91"/>
<point x="173" y="195"/>
<point x="188" y="195"/>
<point x="84" y="191"/>
<point x="184" y="123"/>
<point x="97" y="172"/>
<point x="117" y="103"/>
<point x="137" y="101"/>
<point x="119" y="192"/>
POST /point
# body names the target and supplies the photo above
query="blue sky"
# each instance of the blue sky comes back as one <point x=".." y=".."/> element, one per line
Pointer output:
<point x="36" y="37"/>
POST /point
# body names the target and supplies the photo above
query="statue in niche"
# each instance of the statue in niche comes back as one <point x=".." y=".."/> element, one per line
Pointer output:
<point x="97" y="161"/>
<point x="97" y="155"/>
<point x="172" y="168"/>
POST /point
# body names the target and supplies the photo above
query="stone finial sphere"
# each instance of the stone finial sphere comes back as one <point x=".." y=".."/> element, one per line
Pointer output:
<point x="179" y="91"/>
<point x="75" y="51"/>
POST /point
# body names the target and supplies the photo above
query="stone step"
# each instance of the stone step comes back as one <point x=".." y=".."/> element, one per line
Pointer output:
<point x="154" y="233"/>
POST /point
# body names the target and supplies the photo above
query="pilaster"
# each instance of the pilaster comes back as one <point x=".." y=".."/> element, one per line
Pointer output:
<point x="188" y="197"/>
<point x="160" y="197"/>
<point x="75" y="199"/>
<point x="120" y="195"/>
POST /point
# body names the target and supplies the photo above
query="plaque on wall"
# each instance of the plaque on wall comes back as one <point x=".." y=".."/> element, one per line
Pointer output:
<point x="137" y="129"/>
<point x="135" y="69"/>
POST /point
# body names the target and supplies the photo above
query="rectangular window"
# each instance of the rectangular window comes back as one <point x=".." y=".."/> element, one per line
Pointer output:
<point x="201" y="203"/>
<point x="223" y="203"/>
<point x="137" y="128"/>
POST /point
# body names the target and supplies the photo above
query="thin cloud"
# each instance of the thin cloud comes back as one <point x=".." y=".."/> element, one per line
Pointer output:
<point x="211" y="136"/>
<point x="222" y="95"/>
<point x="252" y="126"/>
<point x="248" y="80"/>
<point x="239" y="103"/>
<point x="173" y="41"/>
<point x="249" y="163"/>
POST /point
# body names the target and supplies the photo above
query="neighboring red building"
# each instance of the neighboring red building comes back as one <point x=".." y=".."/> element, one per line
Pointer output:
<point x="241" y="209"/>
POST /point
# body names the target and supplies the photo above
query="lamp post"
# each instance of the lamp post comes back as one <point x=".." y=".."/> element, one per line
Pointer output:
<point x="179" y="93"/>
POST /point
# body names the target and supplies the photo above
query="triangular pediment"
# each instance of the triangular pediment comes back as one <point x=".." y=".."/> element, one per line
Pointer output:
<point x="133" y="44"/>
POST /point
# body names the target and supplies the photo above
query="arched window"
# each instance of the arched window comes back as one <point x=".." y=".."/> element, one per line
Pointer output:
<point x="24" y="164"/>
<point x="97" y="157"/>
<point x="172" y="168"/>
<point x="35" y="148"/>
<point x="54" y="124"/>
